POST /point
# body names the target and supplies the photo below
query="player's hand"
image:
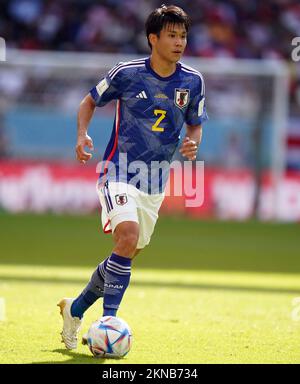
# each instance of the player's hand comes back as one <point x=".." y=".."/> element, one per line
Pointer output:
<point x="189" y="148"/>
<point x="81" y="155"/>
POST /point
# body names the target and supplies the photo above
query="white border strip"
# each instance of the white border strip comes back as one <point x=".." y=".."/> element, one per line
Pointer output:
<point x="2" y="309"/>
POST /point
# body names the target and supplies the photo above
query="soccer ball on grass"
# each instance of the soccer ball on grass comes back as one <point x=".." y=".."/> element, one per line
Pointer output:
<point x="109" y="337"/>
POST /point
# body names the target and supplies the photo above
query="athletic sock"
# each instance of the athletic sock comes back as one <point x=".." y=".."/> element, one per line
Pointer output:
<point x="117" y="277"/>
<point x="92" y="292"/>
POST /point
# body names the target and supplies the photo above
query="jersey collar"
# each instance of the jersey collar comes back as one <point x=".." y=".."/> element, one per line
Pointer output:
<point x="149" y="68"/>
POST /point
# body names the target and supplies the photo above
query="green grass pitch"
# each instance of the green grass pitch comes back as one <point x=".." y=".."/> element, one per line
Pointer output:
<point x="201" y="292"/>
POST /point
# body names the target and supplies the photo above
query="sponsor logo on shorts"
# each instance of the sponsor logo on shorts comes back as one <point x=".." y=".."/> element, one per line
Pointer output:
<point x="121" y="199"/>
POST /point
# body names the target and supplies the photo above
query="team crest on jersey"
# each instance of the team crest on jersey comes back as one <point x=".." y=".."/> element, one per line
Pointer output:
<point x="181" y="97"/>
<point x="121" y="199"/>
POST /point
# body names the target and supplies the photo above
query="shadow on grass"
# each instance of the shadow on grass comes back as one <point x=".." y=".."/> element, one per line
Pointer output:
<point x="75" y="358"/>
<point x="160" y="285"/>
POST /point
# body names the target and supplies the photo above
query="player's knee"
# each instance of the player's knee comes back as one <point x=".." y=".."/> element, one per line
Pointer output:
<point x="126" y="237"/>
<point x="127" y="242"/>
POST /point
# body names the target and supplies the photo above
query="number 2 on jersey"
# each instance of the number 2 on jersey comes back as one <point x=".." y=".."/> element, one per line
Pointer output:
<point x="162" y="115"/>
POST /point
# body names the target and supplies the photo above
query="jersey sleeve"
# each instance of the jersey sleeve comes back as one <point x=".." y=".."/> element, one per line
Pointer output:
<point x="109" y="88"/>
<point x="196" y="112"/>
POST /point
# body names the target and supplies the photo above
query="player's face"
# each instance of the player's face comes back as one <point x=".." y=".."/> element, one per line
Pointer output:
<point x="171" y="42"/>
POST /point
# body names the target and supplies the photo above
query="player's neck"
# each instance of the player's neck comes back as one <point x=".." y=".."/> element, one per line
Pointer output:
<point x="162" y="67"/>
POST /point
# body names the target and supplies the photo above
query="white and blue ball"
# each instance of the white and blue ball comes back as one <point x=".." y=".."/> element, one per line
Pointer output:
<point x="109" y="337"/>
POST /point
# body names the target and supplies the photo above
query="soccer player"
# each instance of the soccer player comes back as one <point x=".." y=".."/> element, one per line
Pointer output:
<point x="155" y="97"/>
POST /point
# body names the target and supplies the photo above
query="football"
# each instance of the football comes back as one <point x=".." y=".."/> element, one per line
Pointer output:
<point x="109" y="337"/>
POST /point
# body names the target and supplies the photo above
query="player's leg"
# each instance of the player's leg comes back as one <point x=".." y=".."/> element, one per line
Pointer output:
<point x="115" y="210"/>
<point x="95" y="287"/>
<point x="129" y="237"/>
<point x="72" y="310"/>
<point x="118" y="269"/>
<point x="117" y="239"/>
<point x="113" y="274"/>
<point x="127" y="246"/>
<point x="92" y="292"/>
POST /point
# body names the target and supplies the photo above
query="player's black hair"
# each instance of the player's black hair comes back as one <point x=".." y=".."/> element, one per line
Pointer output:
<point x="164" y="15"/>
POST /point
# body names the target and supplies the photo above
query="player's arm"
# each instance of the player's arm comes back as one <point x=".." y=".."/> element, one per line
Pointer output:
<point x="194" y="118"/>
<point x="85" y="114"/>
<point x="109" y="88"/>
<point x="191" y="141"/>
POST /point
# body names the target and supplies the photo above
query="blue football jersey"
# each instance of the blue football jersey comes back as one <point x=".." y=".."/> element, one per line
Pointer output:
<point x="150" y="113"/>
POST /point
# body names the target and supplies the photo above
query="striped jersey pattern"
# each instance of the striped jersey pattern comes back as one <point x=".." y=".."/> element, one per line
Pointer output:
<point x="150" y="113"/>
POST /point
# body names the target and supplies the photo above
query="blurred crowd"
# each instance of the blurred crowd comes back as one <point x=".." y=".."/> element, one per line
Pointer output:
<point x="232" y="28"/>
